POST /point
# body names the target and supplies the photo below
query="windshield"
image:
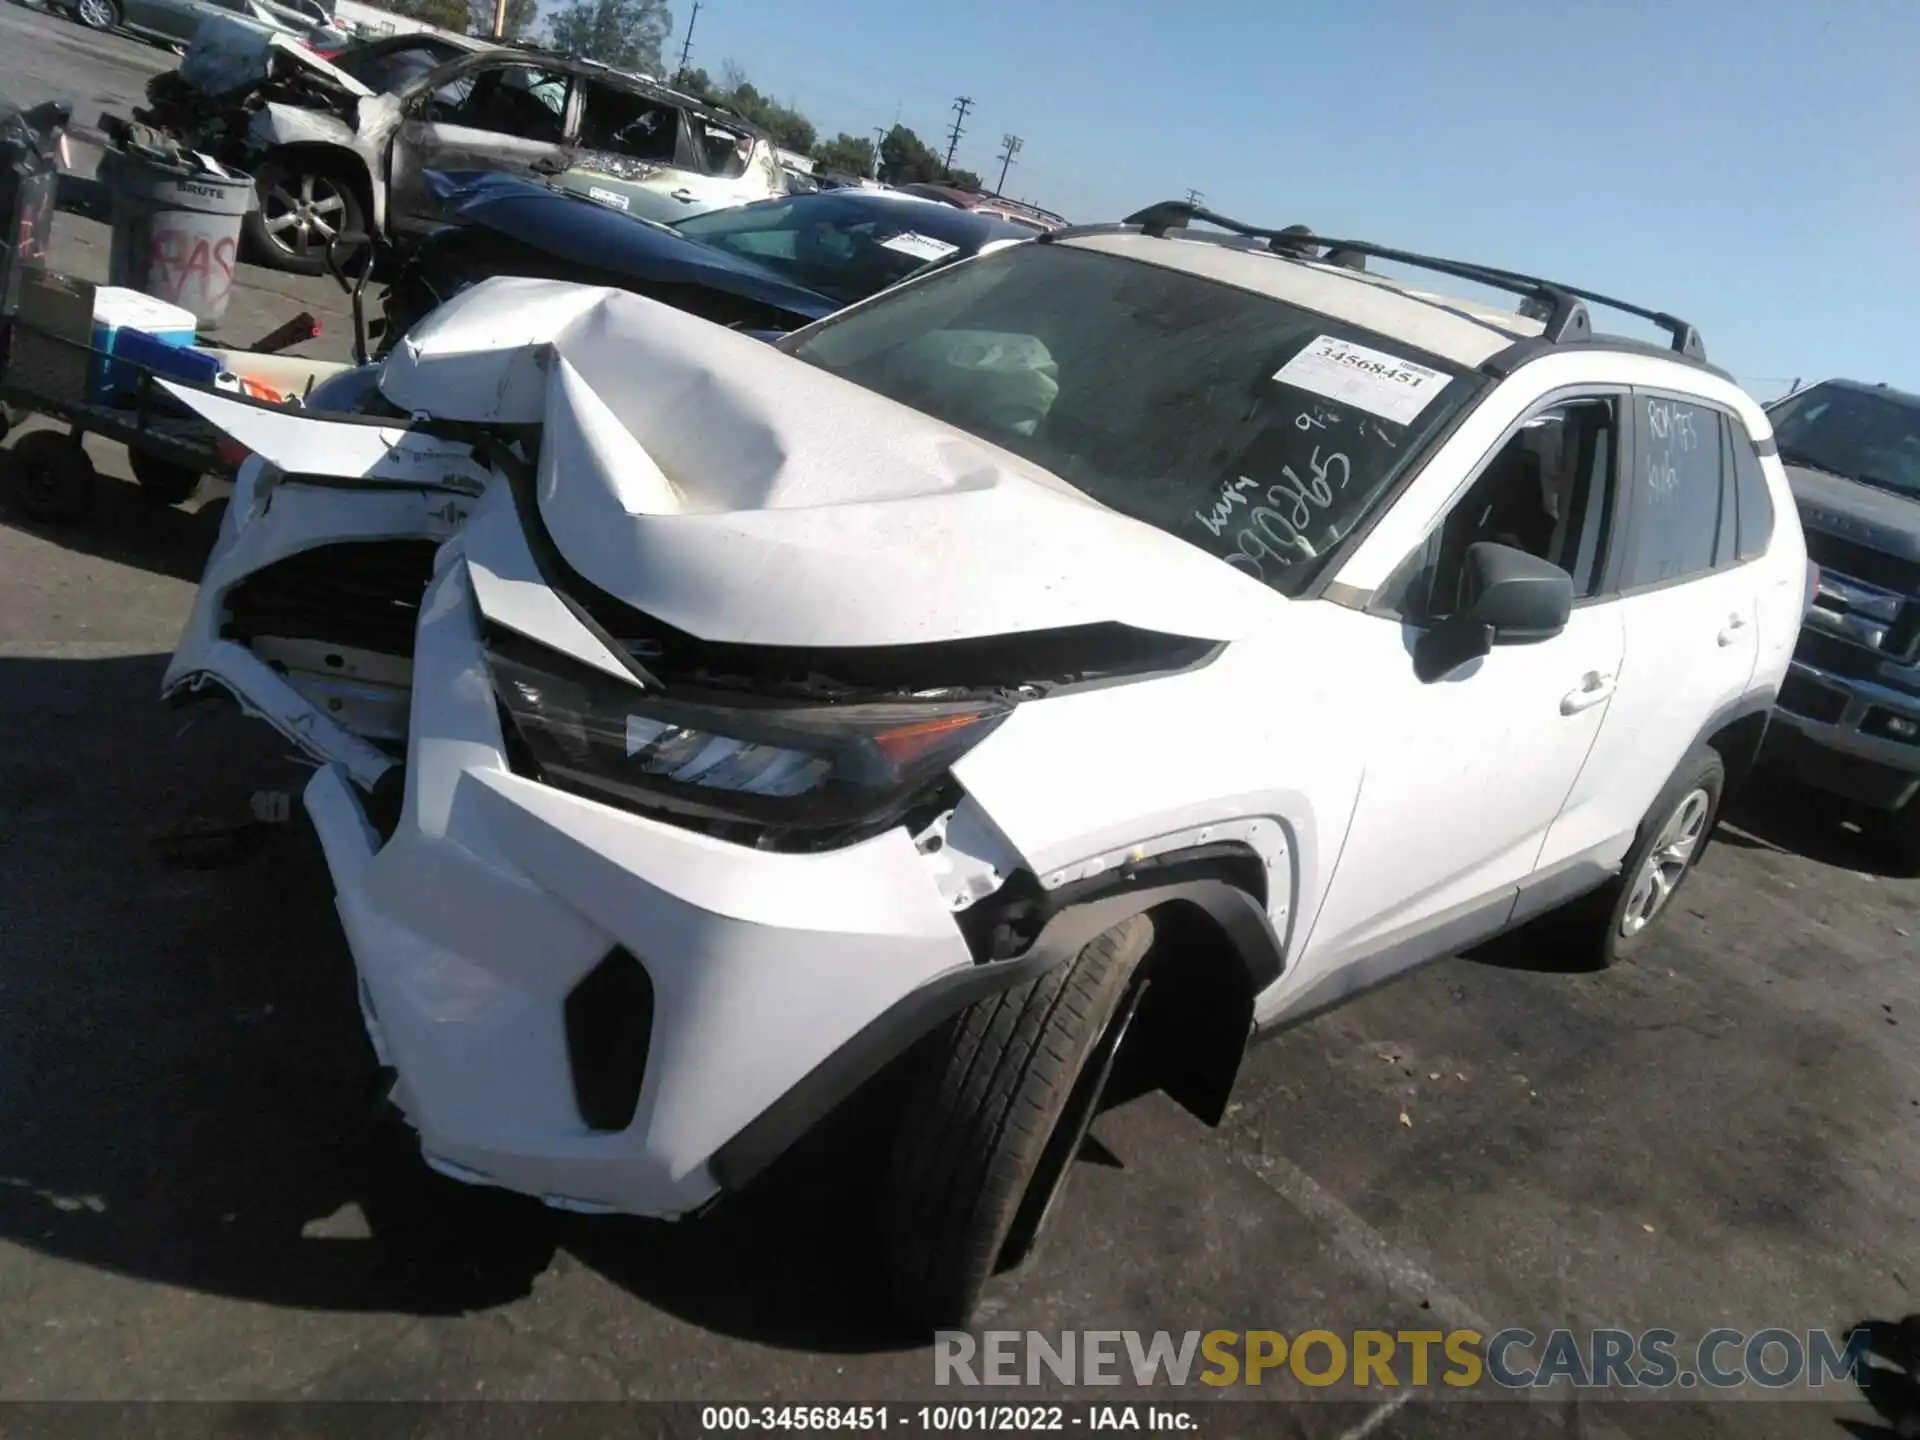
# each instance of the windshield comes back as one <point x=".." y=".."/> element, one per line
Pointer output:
<point x="1261" y="432"/>
<point x="838" y="246"/>
<point x="1867" y="437"/>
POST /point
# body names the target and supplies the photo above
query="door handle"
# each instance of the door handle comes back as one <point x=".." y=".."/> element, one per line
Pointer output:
<point x="1594" y="687"/>
<point x="1730" y="632"/>
<point x="683" y="195"/>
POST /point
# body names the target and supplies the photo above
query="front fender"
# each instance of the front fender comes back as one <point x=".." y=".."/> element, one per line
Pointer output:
<point x="275" y="125"/>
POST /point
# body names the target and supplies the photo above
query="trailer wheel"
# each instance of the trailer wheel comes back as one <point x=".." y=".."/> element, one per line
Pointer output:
<point x="52" y="476"/>
<point x="163" y="480"/>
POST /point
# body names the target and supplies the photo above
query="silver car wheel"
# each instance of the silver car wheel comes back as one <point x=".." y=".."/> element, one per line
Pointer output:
<point x="96" y="14"/>
<point x="302" y="213"/>
<point x="1673" y="851"/>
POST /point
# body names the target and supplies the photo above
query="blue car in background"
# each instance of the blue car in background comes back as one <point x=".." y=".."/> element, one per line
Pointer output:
<point x="770" y="267"/>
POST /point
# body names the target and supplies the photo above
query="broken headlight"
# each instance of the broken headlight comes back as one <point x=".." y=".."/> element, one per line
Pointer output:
<point x="725" y="757"/>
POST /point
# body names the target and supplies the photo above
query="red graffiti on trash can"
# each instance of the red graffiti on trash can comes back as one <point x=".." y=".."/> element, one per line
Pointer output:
<point x="188" y="270"/>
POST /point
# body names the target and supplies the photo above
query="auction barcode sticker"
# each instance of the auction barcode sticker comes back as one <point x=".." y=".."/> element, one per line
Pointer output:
<point x="1387" y="386"/>
<point x="920" y="247"/>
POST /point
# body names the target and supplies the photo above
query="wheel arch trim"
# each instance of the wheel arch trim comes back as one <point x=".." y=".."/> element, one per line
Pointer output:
<point x="1239" y="915"/>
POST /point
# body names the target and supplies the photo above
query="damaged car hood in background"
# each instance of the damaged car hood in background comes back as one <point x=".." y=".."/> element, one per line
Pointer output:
<point x="229" y="55"/>
<point x="740" y="494"/>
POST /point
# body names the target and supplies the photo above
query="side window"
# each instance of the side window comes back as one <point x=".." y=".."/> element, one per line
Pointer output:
<point x="523" y="101"/>
<point x="1548" y="490"/>
<point x="625" y="122"/>
<point x="723" y="152"/>
<point x="1756" y="502"/>
<point x="1673" y="529"/>
<point x="1726" y="547"/>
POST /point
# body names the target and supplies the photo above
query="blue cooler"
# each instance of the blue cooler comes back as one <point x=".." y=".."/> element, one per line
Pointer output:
<point x="118" y="311"/>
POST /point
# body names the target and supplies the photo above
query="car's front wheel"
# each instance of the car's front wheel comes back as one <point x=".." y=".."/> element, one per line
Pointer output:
<point x="993" y="1120"/>
<point x="304" y="205"/>
<point x="97" y="14"/>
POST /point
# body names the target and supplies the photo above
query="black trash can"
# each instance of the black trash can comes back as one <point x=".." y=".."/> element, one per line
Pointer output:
<point x="30" y="146"/>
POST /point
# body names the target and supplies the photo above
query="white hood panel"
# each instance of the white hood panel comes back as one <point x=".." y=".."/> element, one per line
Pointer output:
<point x="738" y="494"/>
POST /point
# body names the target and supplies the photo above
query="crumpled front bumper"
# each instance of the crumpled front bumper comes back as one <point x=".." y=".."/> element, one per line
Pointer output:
<point x="497" y="896"/>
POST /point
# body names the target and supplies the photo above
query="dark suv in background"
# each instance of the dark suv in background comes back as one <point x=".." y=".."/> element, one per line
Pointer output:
<point x="1849" y="714"/>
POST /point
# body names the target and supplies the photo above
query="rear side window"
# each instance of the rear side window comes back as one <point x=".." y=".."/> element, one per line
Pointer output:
<point x="625" y="122"/>
<point x="1674" y="492"/>
<point x="1756" y="502"/>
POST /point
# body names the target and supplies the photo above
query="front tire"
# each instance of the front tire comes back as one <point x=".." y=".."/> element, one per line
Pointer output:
<point x="993" y="1121"/>
<point x="303" y="206"/>
<point x="100" y="15"/>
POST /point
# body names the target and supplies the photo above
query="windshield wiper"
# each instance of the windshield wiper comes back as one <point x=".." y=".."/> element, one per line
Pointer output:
<point x="1892" y="487"/>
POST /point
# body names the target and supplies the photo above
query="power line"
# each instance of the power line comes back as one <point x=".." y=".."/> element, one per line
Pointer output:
<point x="1013" y="144"/>
<point x="961" y="105"/>
<point x="686" y="45"/>
<point x="1194" y="197"/>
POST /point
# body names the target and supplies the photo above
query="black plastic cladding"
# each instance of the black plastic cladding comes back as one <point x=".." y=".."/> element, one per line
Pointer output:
<point x="1567" y="322"/>
<point x="609" y="1026"/>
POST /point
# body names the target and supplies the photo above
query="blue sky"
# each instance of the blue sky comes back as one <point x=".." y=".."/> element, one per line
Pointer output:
<point x="1752" y="165"/>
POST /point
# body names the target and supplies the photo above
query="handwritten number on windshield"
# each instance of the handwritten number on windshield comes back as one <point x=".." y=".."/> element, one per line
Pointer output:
<point x="1275" y="530"/>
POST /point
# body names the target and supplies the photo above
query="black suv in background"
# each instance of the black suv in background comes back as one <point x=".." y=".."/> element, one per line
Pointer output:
<point x="1849" y="714"/>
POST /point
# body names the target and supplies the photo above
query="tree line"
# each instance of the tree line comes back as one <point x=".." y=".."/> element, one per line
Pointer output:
<point x="629" y="35"/>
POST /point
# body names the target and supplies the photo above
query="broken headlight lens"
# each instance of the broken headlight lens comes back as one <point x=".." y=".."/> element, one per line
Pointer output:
<point x="723" y="756"/>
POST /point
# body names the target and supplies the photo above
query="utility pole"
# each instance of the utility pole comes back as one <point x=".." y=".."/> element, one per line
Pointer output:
<point x="499" y="19"/>
<point x="686" y="45"/>
<point x="961" y="105"/>
<point x="1013" y="144"/>
<point x="1194" y="197"/>
<point x="879" y="138"/>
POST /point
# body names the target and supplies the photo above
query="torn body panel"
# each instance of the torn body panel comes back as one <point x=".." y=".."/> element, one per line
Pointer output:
<point x="275" y="124"/>
<point x="306" y="609"/>
<point x="231" y="74"/>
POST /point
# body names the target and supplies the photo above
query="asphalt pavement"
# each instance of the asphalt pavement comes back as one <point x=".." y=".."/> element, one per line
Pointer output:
<point x="202" y="1198"/>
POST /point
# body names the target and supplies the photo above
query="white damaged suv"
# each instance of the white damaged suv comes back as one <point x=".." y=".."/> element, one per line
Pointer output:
<point x="1108" y="649"/>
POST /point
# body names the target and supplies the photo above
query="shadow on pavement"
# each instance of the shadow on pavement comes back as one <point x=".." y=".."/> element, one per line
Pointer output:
<point x="1773" y="813"/>
<point x="128" y="526"/>
<point x="191" y="1099"/>
<point x="1891" y="1387"/>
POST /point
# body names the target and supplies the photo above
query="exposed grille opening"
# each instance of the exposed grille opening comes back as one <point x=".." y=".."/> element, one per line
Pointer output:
<point x="364" y="593"/>
<point x="1902" y="640"/>
<point x="1884" y="724"/>
<point x="609" y="1018"/>
<point x="1847" y="559"/>
<point x="1815" y="701"/>
<point x="1836" y="655"/>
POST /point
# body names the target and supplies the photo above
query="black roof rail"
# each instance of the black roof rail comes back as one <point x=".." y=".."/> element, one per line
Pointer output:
<point x="1559" y="307"/>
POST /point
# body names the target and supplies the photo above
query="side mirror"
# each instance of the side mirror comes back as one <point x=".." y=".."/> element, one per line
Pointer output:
<point x="1507" y="597"/>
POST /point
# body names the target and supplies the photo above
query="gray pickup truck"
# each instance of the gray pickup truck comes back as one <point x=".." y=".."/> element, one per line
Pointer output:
<point x="1848" y="719"/>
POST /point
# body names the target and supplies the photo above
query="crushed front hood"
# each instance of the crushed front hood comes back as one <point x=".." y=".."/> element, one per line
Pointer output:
<point x="229" y="56"/>
<point x="741" y="495"/>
